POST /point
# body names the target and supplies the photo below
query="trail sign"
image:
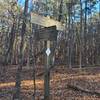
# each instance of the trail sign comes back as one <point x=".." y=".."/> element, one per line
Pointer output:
<point x="46" y="34"/>
<point x="48" y="51"/>
<point x="49" y="33"/>
<point x="46" y="22"/>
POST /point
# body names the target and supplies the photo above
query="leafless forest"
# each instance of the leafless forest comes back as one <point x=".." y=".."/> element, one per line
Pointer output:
<point x="50" y="50"/>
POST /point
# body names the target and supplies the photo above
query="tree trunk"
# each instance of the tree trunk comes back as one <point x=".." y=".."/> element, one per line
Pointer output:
<point x="85" y="35"/>
<point x="11" y="42"/>
<point x="80" y="42"/>
<point x="16" y="96"/>
<point x="60" y="11"/>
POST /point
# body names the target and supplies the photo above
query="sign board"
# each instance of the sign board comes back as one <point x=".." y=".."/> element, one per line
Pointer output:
<point x="49" y="33"/>
<point x="46" y="22"/>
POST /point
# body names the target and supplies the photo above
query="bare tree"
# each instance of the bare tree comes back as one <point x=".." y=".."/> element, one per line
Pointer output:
<point x="16" y="96"/>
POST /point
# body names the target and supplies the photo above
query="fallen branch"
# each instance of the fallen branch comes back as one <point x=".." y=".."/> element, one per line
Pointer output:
<point x="78" y="88"/>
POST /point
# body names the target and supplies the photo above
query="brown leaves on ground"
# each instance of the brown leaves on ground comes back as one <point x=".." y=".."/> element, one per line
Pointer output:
<point x="61" y="78"/>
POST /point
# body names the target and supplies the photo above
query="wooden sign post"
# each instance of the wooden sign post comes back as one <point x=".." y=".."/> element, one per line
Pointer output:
<point x="47" y="34"/>
<point x="47" y="71"/>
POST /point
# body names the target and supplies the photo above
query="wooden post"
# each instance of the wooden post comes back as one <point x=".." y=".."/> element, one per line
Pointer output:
<point x="47" y="35"/>
<point x="47" y="72"/>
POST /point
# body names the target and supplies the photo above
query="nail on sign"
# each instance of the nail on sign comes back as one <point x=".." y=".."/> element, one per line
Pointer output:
<point x="48" y="51"/>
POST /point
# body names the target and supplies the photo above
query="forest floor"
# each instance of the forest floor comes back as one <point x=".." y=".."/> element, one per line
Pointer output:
<point x="65" y="84"/>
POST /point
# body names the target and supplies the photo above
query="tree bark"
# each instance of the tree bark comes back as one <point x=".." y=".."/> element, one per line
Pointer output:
<point x="60" y="11"/>
<point x="16" y="96"/>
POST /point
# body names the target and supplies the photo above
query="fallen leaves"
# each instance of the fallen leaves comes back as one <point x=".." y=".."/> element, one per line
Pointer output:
<point x="59" y="84"/>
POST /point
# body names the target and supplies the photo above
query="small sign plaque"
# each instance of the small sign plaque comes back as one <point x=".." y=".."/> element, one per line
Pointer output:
<point x="49" y="33"/>
<point x="48" y="51"/>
